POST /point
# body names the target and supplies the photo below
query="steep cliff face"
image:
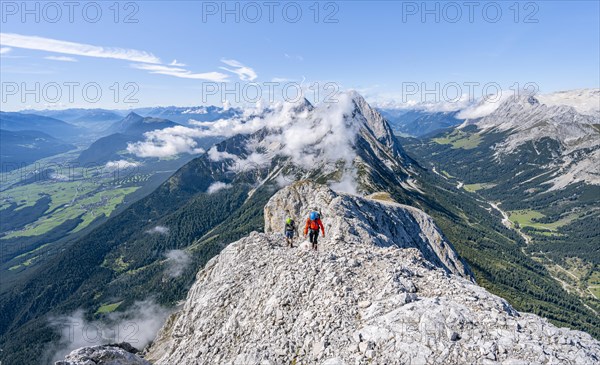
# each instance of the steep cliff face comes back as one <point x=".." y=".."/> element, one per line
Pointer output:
<point x="385" y="287"/>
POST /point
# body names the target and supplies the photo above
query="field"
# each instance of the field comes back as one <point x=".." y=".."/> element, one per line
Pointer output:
<point x="594" y="284"/>
<point x="108" y="308"/>
<point x="527" y="217"/>
<point x="69" y="200"/>
<point x="460" y="139"/>
<point x="475" y="187"/>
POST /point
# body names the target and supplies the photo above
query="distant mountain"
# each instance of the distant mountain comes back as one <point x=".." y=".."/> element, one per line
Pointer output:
<point x="184" y="114"/>
<point x="80" y="114"/>
<point x="574" y="137"/>
<point x="130" y="129"/>
<point x="19" y="148"/>
<point x="127" y="130"/>
<point x="13" y="121"/>
<point x="540" y="164"/>
<point x="105" y="149"/>
<point x="136" y="125"/>
<point x="418" y="123"/>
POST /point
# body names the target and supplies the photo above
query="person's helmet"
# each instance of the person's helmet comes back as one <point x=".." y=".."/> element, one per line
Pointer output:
<point x="288" y="221"/>
<point x="314" y="215"/>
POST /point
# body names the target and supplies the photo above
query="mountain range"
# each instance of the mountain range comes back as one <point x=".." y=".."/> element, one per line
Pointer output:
<point x="218" y="198"/>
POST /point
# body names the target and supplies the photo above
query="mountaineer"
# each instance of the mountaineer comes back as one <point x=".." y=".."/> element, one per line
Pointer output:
<point x="312" y="227"/>
<point x="290" y="229"/>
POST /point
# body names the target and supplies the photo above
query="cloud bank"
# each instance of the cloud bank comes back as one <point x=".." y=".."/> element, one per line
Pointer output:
<point x="167" y="142"/>
<point x="309" y="138"/>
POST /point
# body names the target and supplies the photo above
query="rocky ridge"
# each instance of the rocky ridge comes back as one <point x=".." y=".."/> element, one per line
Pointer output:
<point x="370" y="295"/>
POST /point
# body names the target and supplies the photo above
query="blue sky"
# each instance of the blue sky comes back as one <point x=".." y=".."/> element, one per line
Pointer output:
<point x="376" y="47"/>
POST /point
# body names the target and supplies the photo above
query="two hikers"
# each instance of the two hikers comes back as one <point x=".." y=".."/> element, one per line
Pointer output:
<point x="313" y="224"/>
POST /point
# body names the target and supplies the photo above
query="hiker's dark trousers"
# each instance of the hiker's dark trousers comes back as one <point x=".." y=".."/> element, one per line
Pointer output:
<point x="313" y="236"/>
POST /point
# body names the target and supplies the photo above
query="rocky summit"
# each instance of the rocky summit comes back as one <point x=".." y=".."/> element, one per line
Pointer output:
<point x="384" y="287"/>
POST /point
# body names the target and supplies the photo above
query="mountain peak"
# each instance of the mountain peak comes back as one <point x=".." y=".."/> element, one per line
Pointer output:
<point x="133" y="116"/>
<point x="135" y="124"/>
<point x="303" y="105"/>
<point x="376" y="124"/>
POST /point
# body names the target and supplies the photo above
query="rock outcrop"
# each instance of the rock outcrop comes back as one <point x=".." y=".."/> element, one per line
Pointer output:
<point x="115" y="354"/>
<point x="385" y="287"/>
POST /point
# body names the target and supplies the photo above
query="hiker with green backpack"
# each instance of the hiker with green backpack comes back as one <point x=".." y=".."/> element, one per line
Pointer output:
<point x="313" y="223"/>
<point x="290" y="230"/>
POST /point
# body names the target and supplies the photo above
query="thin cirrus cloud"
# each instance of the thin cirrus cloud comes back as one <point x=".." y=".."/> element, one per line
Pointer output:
<point x="61" y="58"/>
<point x="180" y="72"/>
<point x="178" y="64"/>
<point x="245" y="73"/>
<point x="76" y="49"/>
<point x="142" y="60"/>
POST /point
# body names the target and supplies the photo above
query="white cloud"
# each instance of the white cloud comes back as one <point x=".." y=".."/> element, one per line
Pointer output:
<point x="391" y="101"/>
<point x="297" y="57"/>
<point x="347" y="183"/>
<point x="485" y="107"/>
<point x="167" y="142"/>
<point x="216" y="186"/>
<point x="146" y="60"/>
<point x="61" y="58"/>
<point x="215" y="155"/>
<point x="181" y="72"/>
<point x="177" y="262"/>
<point x="245" y="73"/>
<point x="280" y="79"/>
<point x="178" y="64"/>
<point x="159" y="229"/>
<point x="5" y="50"/>
<point x="120" y="164"/>
<point x="72" y="48"/>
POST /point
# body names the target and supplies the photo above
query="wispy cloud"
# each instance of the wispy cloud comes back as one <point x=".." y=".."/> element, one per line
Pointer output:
<point x="280" y="79"/>
<point x="144" y="60"/>
<point x="245" y="73"/>
<point x="159" y="229"/>
<point x="180" y="72"/>
<point x="61" y="58"/>
<point x="77" y="49"/>
<point x="297" y="57"/>
<point x="175" y="63"/>
<point x="177" y="262"/>
<point x="217" y="186"/>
